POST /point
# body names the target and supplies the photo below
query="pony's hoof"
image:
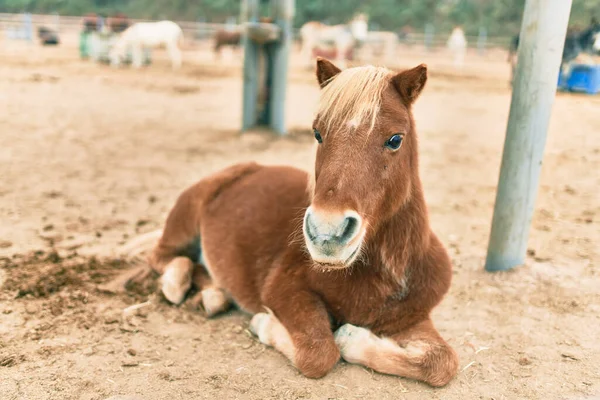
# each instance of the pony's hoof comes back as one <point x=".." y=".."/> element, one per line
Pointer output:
<point x="214" y="301"/>
<point x="259" y="327"/>
<point x="351" y="340"/>
<point x="177" y="280"/>
<point x="173" y="292"/>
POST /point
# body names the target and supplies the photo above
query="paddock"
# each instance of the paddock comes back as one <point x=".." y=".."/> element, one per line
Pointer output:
<point x="92" y="156"/>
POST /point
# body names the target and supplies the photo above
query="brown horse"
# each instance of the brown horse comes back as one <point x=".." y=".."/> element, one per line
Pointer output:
<point x="90" y="22"/>
<point x="118" y="22"/>
<point x="343" y="259"/>
<point x="224" y="37"/>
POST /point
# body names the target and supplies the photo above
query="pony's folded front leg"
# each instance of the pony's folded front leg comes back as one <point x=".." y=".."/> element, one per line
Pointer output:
<point x="417" y="353"/>
<point x="298" y="326"/>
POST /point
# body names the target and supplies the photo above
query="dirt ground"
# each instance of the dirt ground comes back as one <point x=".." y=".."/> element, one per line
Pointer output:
<point x="91" y="156"/>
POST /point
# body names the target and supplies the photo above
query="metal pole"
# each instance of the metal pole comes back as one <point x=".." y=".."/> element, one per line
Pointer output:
<point x="481" y="40"/>
<point x="429" y="32"/>
<point x="57" y="22"/>
<point x="284" y="10"/>
<point x="251" y="67"/>
<point x="541" y="43"/>
<point x="28" y="26"/>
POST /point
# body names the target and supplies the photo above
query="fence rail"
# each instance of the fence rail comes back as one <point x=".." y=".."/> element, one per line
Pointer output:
<point x="200" y="29"/>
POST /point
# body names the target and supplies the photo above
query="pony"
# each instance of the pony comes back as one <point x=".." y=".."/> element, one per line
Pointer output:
<point x="223" y="37"/>
<point x="340" y="262"/>
<point x="118" y="22"/>
<point x="457" y="44"/>
<point x="144" y="36"/>
<point x="512" y="57"/>
<point x="577" y="45"/>
<point x="90" y="22"/>
<point x="341" y="39"/>
<point x="47" y="36"/>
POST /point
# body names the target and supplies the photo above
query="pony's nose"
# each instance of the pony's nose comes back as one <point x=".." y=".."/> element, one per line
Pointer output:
<point x="325" y="228"/>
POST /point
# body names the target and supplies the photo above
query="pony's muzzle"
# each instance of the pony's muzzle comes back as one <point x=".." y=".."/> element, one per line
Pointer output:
<point x="332" y="238"/>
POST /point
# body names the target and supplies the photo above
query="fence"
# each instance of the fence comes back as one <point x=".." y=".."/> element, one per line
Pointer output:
<point x="202" y="30"/>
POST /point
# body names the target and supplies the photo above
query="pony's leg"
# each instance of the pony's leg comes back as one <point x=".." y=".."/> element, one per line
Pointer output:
<point x="137" y="56"/>
<point x="513" y="68"/>
<point x="174" y="55"/>
<point x="417" y="353"/>
<point x="298" y="326"/>
<point x="213" y="299"/>
<point x="176" y="281"/>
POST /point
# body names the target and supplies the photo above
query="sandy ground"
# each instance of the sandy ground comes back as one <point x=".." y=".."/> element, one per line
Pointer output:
<point x="91" y="156"/>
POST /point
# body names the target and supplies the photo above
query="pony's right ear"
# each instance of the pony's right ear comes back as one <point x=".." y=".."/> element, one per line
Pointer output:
<point x="326" y="71"/>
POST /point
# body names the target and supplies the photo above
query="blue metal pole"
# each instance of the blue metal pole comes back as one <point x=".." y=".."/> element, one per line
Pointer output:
<point x="251" y="68"/>
<point x="279" y="69"/>
<point x="541" y="43"/>
<point x="481" y="40"/>
<point x="28" y="26"/>
<point x="429" y="32"/>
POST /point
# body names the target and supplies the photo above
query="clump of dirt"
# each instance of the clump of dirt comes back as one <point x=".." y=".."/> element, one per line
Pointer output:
<point x="40" y="273"/>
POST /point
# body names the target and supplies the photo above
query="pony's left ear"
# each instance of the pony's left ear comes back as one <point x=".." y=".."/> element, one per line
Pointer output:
<point x="410" y="83"/>
<point x="326" y="71"/>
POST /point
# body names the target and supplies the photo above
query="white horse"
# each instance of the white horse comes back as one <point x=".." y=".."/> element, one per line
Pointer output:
<point x="596" y="45"/>
<point x="147" y="35"/>
<point x="457" y="43"/>
<point x="339" y="38"/>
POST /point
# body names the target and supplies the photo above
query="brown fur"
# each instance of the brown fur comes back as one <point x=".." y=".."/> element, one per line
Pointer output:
<point x="248" y="219"/>
<point x="226" y="38"/>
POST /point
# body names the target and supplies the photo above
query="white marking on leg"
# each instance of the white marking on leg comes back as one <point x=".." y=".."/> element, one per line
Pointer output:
<point x="272" y="333"/>
<point x="359" y="346"/>
<point x="177" y="279"/>
<point x="214" y="301"/>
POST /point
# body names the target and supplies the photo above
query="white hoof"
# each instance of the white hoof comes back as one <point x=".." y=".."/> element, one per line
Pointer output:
<point x="259" y="326"/>
<point x="214" y="301"/>
<point x="352" y="340"/>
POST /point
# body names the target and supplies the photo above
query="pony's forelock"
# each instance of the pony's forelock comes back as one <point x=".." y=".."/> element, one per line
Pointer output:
<point x="353" y="95"/>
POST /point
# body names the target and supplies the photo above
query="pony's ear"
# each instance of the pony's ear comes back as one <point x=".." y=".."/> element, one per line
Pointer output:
<point x="326" y="71"/>
<point x="410" y="83"/>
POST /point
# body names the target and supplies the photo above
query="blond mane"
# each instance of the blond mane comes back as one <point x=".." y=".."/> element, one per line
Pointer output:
<point x="353" y="95"/>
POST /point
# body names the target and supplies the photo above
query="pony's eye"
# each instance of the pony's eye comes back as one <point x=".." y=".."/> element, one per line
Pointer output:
<point x="318" y="136"/>
<point x="394" y="142"/>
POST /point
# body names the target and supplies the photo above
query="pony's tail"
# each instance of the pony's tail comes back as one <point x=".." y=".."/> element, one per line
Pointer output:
<point x="140" y="244"/>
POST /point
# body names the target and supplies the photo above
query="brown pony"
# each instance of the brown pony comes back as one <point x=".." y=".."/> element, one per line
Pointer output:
<point x="223" y="38"/>
<point x="90" y="22"/>
<point x="118" y="22"/>
<point x="343" y="260"/>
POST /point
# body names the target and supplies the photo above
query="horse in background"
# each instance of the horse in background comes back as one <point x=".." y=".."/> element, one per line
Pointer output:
<point x="90" y="22"/>
<point x="224" y="37"/>
<point x="118" y="22"/>
<point x="148" y="35"/>
<point x="457" y="44"/>
<point x="47" y="36"/>
<point x="512" y="57"/>
<point x="383" y="44"/>
<point x="338" y="41"/>
<point x="579" y="46"/>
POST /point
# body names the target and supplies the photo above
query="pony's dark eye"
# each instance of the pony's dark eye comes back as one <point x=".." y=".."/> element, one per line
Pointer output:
<point x="394" y="142"/>
<point x="318" y="136"/>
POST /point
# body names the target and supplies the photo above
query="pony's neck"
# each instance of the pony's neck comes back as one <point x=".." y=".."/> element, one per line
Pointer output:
<point x="405" y="236"/>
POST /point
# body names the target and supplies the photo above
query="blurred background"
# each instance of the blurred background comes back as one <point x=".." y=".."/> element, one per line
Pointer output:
<point x="92" y="155"/>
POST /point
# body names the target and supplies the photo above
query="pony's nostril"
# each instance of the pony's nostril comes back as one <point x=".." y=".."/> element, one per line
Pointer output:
<point x="309" y="227"/>
<point x="350" y="228"/>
